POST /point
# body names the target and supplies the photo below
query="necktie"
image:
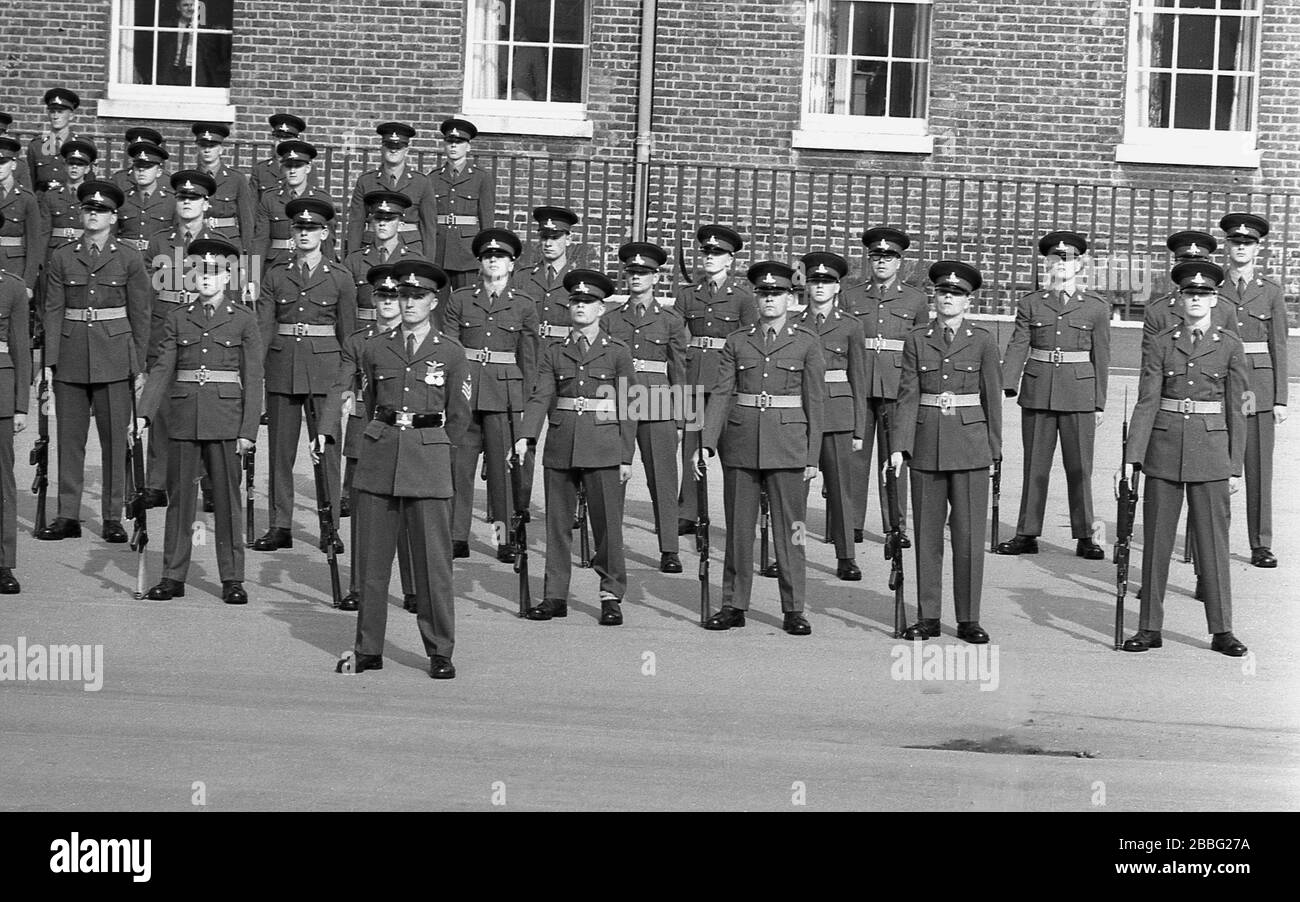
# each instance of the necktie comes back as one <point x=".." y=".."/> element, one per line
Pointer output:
<point x="1241" y="286"/>
<point x="947" y="335"/>
<point x="1196" y="337"/>
<point x="94" y="251"/>
<point x="640" y="310"/>
<point x="583" y="345"/>
<point x="392" y="180"/>
<point x="303" y="271"/>
<point x="821" y="318"/>
<point x="769" y="336"/>
<point x="410" y="345"/>
<point x="383" y="255"/>
<point x="207" y="311"/>
<point x="550" y="273"/>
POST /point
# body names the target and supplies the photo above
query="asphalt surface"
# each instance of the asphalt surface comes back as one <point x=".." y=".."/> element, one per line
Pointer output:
<point x="241" y="707"/>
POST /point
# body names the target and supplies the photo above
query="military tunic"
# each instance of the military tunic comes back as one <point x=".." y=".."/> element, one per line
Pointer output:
<point x="142" y="217"/>
<point x="232" y="208"/>
<point x="950" y="443"/>
<point x="465" y="204"/>
<point x="273" y="232"/>
<point x="205" y="418"/>
<point x="60" y="214"/>
<point x="22" y="236"/>
<point x="764" y="447"/>
<point x="416" y="229"/>
<point x="584" y="447"/>
<point x="1059" y="396"/>
<point x="48" y="169"/>
<point x="887" y="313"/>
<point x="657" y="339"/>
<point x="266" y="175"/>
<point x="1192" y="450"/>
<point x="15" y="384"/>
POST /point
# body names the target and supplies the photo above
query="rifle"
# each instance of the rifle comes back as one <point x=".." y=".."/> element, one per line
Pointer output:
<point x="702" y="531"/>
<point x="765" y="527"/>
<point x="1189" y="556"/>
<point x="329" y="537"/>
<point x="584" y="540"/>
<point x="1126" y="496"/>
<point x="40" y="456"/>
<point x="997" y="503"/>
<point x="894" y="538"/>
<point x="519" y="520"/>
<point x="135" y="507"/>
<point x="249" y="469"/>
<point x="681" y="263"/>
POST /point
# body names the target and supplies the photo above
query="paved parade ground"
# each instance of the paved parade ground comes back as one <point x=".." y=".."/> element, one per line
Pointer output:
<point x="239" y="708"/>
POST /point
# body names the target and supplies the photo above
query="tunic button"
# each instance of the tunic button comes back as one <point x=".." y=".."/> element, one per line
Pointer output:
<point x="407" y="388"/>
<point x="945" y="375"/>
<point x="300" y="310"/>
<point x="408" y="369"/>
<point x="205" y="350"/>
<point x="581" y="382"/>
<point x="765" y="375"/>
<point x="1190" y="365"/>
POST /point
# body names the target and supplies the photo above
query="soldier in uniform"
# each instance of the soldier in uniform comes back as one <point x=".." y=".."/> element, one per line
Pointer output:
<point x="150" y="206"/>
<point x="1166" y="310"/>
<point x="96" y="336"/>
<point x="465" y="204"/>
<point x="60" y="209"/>
<point x="232" y="204"/>
<point x="765" y="416"/>
<point x="1061" y="343"/>
<point x="656" y="336"/>
<point x="208" y="376"/>
<point x="888" y="309"/>
<point x="713" y="308"/>
<point x="1188" y="433"/>
<point x="124" y="178"/>
<point x="844" y="424"/>
<point x="404" y="482"/>
<point x="43" y="158"/>
<point x="544" y="280"/>
<point x="273" y="234"/>
<point x="949" y="424"/>
<point x="307" y="308"/>
<point x="267" y="174"/>
<point x="23" y="173"/>
<point x="588" y="443"/>
<point x="1256" y="311"/>
<point x="415" y="223"/>
<point x="15" y="384"/>
<point x="191" y="190"/>
<point x="382" y="292"/>
<point x="22" y="234"/>
<point x="498" y="327"/>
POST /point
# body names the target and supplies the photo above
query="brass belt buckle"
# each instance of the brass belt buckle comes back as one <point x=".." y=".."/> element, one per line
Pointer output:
<point x="1057" y="356"/>
<point x="947" y="400"/>
<point x="299" y="328"/>
<point x="764" y="400"/>
<point x="90" y="314"/>
<point x="403" y="418"/>
<point x="580" y="404"/>
<point x="480" y="356"/>
<point x="1186" y="405"/>
<point x="201" y="377"/>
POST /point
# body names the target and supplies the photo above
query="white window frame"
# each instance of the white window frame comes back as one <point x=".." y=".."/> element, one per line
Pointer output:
<point x="126" y="100"/>
<point x="1185" y="146"/>
<point x="522" y="117"/>
<point x="831" y="131"/>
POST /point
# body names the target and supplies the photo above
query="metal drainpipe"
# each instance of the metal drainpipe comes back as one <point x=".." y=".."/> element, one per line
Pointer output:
<point x="644" y="126"/>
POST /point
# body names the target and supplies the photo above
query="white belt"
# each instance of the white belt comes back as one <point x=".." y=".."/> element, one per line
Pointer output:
<point x="11" y="241"/>
<point x="367" y="313"/>
<point x="764" y="400"/>
<point x="173" y="297"/>
<point x="405" y="226"/>
<point x="140" y="244"/>
<point x="649" y="366"/>
<point x="484" y="356"/>
<point x="282" y="244"/>
<point x="91" y="314"/>
<point x="1255" y="347"/>
<point x="301" y="329"/>
<point x="949" y="399"/>
<point x="709" y="344"/>
<point x="876" y="343"/>
<point x="580" y="405"/>
<point x="222" y="222"/>
<point x="546" y="330"/>
<point x="1187" y="405"/>
<point x="451" y="219"/>
<point x="837" y="375"/>
<point x="1059" y="356"/>
<point x="66" y="233"/>
<point x="203" y="375"/>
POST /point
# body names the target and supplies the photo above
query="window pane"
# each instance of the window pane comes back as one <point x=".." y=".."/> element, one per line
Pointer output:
<point x="532" y="20"/>
<point x="1162" y="40"/>
<point x="570" y="24"/>
<point x="1197" y="4"/>
<point x="871" y="29"/>
<point x="1196" y="42"/>
<point x="839" y="27"/>
<point x="566" y="75"/>
<point x="195" y="57"/>
<point x="1192" y="101"/>
<point x="868" y="88"/>
<point x="529" y="78"/>
<point x="1237" y="44"/>
<point x="1158" y="107"/>
<point x="1233" y="103"/>
<point x="907" y="90"/>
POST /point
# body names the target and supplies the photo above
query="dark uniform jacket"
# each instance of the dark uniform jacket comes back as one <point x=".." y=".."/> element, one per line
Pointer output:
<point x="1190" y="447"/>
<point x="410" y="462"/>
<point x="956" y="438"/>
<point x="232" y="207"/>
<point x="266" y="175"/>
<point x="16" y="361"/>
<point x="588" y="439"/>
<point x="208" y="411"/>
<point x="417" y="220"/>
<point x="774" y="438"/>
<point x="168" y="287"/>
<point x="22" y="221"/>
<point x="471" y="193"/>
<point x="361" y="261"/>
<point x="888" y="313"/>
<point x="1167" y="310"/>
<point x="271" y="224"/>
<point x="305" y="364"/>
<point x="549" y="295"/>
<point x="1045" y="323"/>
<point x="141" y="218"/>
<point x="1260" y="316"/>
<point x="98" y="350"/>
<point x="48" y="169"/>
<point x="60" y="212"/>
<point x="730" y="308"/>
<point x="507" y="324"/>
<point x="843" y="350"/>
<point x="658" y="337"/>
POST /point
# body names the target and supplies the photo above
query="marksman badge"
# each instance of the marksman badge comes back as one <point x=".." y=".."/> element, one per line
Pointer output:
<point x="437" y="374"/>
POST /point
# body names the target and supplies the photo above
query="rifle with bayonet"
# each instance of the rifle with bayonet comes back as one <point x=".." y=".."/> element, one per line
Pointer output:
<point x="1127" y="497"/>
<point x="40" y="456"/>
<point x="894" y="538"/>
<point x="519" y="519"/>
<point x="767" y="567"/>
<point x="584" y="537"/>
<point x="702" y="530"/>
<point x="329" y="537"/>
<point x="136" y="509"/>
<point x="250" y="467"/>
<point x="996" y="476"/>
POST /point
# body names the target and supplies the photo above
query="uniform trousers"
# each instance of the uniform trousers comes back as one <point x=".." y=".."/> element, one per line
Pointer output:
<point x="488" y="434"/>
<point x="835" y="464"/>
<point x="1259" y="479"/>
<point x="605" y="507"/>
<point x="156" y="460"/>
<point x="8" y="496"/>
<point x="187" y="459"/>
<point x="657" y="442"/>
<point x="427" y="525"/>
<point x="787" y="497"/>
<point x="284" y="414"/>
<point x="687" y="507"/>
<point x="403" y="541"/>
<point x="1038" y="432"/>
<point x="860" y="473"/>
<point x="934" y="494"/>
<point x="1207" y="518"/>
<point x="111" y="404"/>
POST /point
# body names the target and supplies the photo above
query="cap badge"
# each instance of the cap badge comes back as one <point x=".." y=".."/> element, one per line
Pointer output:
<point x="492" y="245"/>
<point x="952" y="279"/>
<point x="712" y="241"/>
<point x="822" y="269"/>
<point x="1063" y="248"/>
<point x="769" y="279"/>
<point x="1199" y="279"/>
<point x="97" y="198"/>
<point x="1242" y="230"/>
<point x="188" y="186"/>
<point x="411" y="279"/>
<point x="581" y="288"/>
<point x="638" y="260"/>
<point x="389" y="283"/>
<point x="882" y="244"/>
<point x="304" y="216"/>
<point x="550" y="224"/>
<point x="384" y="207"/>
